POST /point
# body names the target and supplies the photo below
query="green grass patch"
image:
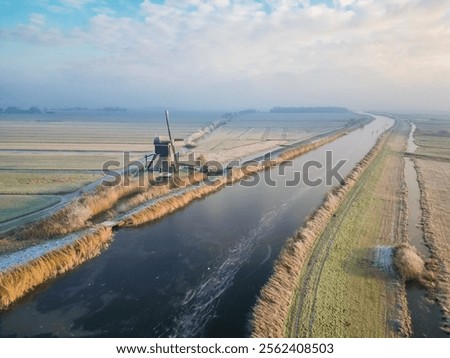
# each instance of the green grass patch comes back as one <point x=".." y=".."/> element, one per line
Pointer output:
<point x="57" y="161"/>
<point x="14" y="206"/>
<point x="15" y="182"/>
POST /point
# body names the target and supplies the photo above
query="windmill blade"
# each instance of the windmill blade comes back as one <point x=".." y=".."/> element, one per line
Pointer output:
<point x="168" y="130"/>
<point x="175" y="159"/>
<point x="168" y="126"/>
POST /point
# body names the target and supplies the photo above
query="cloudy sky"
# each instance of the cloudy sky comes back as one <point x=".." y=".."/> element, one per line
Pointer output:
<point x="364" y="54"/>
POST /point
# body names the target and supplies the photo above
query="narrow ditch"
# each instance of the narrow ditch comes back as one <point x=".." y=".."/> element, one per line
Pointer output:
<point x="425" y="314"/>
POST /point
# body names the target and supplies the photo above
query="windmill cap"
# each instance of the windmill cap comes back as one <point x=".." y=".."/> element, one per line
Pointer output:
<point x="161" y="140"/>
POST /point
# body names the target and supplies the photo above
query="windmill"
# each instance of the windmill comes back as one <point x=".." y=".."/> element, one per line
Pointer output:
<point x="165" y="158"/>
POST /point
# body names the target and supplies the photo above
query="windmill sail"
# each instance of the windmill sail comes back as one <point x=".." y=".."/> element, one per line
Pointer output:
<point x="175" y="154"/>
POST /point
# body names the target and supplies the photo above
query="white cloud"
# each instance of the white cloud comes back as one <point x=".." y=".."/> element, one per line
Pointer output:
<point x="37" y="20"/>
<point x="359" y="52"/>
<point x="76" y="4"/>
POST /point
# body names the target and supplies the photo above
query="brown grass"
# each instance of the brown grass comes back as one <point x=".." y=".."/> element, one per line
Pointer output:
<point x="76" y="215"/>
<point x="272" y="307"/>
<point x="433" y="177"/>
<point x="158" y="190"/>
<point x="16" y="282"/>
<point x="408" y="262"/>
<point x="295" y="152"/>
<point x="169" y="205"/>
<point x="140" y="198"/>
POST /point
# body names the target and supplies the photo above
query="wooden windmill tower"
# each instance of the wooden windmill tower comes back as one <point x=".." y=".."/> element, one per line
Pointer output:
<point x="165" y="158"/>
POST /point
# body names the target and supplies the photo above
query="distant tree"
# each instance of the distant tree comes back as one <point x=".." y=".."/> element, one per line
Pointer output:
<point x="34" y="110"/>
<point x="309" y="110"/>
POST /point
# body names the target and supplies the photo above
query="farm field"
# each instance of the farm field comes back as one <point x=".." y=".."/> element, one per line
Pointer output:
<point x="257" y="132"/>
<point x="432" y="136"/>
<point x="433" y="166"/>
<point x="17" y="205"/>
<point x="22" y="182"/>
<point x="59" y="153"/>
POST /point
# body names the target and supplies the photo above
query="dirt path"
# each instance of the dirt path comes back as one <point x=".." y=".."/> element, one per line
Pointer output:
<point x="340" y="294"/>
<point x="317" y="260"/>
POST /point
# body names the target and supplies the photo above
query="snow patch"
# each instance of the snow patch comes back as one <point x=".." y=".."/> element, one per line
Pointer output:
<point x="190" y="142"/>
<point x="383" y="258"/>
<point x="18" y="258"/>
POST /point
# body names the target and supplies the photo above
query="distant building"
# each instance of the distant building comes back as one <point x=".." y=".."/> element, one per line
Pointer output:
<point x="309" y="110"/>
<point x="114" y="109"/>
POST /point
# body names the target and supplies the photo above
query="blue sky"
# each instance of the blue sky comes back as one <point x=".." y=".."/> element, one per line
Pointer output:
<point x="226" y="54"/>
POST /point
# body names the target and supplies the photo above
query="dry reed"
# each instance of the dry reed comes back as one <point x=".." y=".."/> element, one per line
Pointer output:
<point x="19" y="280"/>
<point x="76" y="215"/>
<point x="155" y="191"/>
<point x="408" y="262"/>
<point x="295" y="152"/>
<point x="273" y="305"/>
<point x="169" y="205"/>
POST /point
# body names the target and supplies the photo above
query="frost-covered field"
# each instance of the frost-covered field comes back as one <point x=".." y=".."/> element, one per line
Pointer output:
<point x="256" y="132"/>
<point x="55" y="153"/>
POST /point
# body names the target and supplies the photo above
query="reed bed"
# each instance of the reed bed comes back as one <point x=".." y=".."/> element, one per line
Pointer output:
<point x="158" y="190"/>
<point x="19" y="280"/>
<point x="409" y="263"/>
<point x="169" y="205"/>
<point x="295" y="152"/>
<point x="76" y="215"/>
<point x="271" y="310"/>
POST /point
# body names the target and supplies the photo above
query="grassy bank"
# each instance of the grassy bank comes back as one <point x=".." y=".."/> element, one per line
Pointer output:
<point x="77" y="214"/>
<point x="323" y="283"/>
<point x="19" y="280"/>
<point x="14" y="206"/>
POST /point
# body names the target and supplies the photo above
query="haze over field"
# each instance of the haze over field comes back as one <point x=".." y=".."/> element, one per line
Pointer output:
<point x="386" y="54"/>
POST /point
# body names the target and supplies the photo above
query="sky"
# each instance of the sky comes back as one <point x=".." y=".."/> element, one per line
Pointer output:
<point x="223" y="54"/>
